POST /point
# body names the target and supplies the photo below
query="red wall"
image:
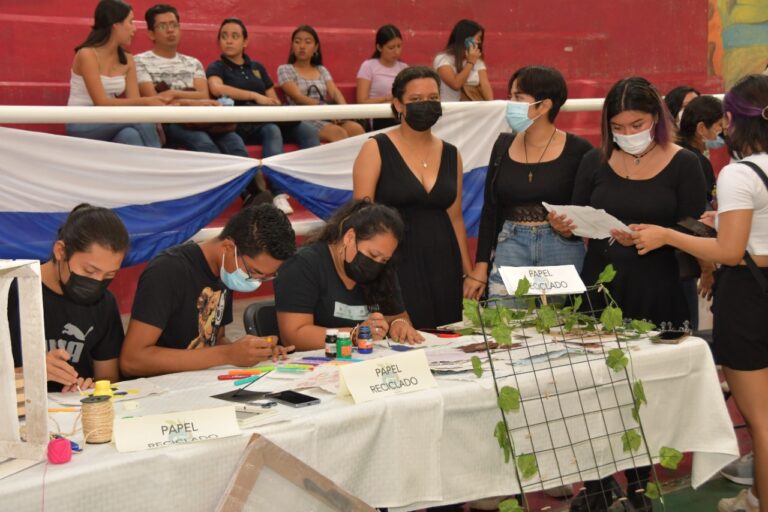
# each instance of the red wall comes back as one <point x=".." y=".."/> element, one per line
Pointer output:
<point x="592" y="42"/>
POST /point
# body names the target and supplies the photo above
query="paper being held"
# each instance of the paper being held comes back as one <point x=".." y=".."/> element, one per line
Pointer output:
<point x="589" y="222"/>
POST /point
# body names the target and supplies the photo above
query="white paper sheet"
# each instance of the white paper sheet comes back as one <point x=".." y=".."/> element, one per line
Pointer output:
<point x="589" y="222"/>
<point x="135" y="389"/>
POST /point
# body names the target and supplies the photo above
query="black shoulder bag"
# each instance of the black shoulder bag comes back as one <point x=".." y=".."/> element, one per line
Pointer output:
<point x="761" y="280"/>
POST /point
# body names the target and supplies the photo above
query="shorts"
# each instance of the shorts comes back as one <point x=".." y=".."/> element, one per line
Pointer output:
<point x="740" y="309"/>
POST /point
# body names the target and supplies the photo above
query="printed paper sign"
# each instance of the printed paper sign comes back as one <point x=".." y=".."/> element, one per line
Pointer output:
<point x="386" y="376"/>
<point x="556" y="280"/>
<point x="175" y="428"/>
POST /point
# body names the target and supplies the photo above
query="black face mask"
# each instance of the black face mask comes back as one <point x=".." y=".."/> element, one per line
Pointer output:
<point x="363" y="269"/>
<point x="422" y="115"/>
<point x="82" y="290"/>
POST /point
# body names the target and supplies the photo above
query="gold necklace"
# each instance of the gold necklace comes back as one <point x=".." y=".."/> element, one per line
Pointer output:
<point x="410" y="148"/>
<point x="525" y="149"/>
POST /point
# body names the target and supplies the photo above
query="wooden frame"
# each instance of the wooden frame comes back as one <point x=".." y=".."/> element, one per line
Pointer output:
<point x="33" y="447"/>
<point x="260" y="454"/>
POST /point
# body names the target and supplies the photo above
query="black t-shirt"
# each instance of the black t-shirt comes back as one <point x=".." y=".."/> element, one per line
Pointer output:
<point x="179" y="294"/>
<point x="308" y="283"/>
<point x="706" y="167"/>
<point x="508" y="185"/>
<point x="249" y="76"/>
<point x="89" y="333"/>
<point x="673" y="194"/>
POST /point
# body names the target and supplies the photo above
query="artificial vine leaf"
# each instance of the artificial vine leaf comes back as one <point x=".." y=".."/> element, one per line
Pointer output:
<point x="636" y="412"/>
<point x="477" y="366"/>
<point x="630" y="440"/>
<point x="491" y="317"/>
<point x="502" y="334"/>
<point x="652" y="491"/>
<point x="607" y="275"/>
<point x="641" y="326"/>
<point x="471" y="312"/>
<point x="531" y="305"/>
<point x="546" y="318"/>
<point x="577" y="304"/>
<point x="509" y="399"/>
<point x="639" y="392"/>
<point x="510" y="505"/>
<point x="670" y="458"/>
<point x="616" y="360"/>
<point x="523" y="285"/>
<point x="500" y="433"/>
<point x="527" y="465"/>
<point x="611" y="318"/>
<point x="467" y="331"/>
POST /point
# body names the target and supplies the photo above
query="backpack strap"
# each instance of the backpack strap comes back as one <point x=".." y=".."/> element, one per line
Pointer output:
<point x="759" y="276"/>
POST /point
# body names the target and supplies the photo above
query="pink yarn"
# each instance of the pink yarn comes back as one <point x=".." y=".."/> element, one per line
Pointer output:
<point x="59" y="451"/>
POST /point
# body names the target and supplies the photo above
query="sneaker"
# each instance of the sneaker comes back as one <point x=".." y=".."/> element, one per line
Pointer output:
<point x="741" y="471"/>
<point x="737" y="504"/>
<point x="281" y="202"/>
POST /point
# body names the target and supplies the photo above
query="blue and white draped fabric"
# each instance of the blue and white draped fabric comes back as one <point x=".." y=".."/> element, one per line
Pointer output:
<point x="163" y="196"/>
<point x="166" y="196"/>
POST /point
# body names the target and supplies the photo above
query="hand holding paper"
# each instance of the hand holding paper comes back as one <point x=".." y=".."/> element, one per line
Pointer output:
<point x="585" y="221"/>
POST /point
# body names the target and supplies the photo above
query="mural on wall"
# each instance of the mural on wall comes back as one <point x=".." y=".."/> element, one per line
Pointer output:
<point x="738" y="38"/>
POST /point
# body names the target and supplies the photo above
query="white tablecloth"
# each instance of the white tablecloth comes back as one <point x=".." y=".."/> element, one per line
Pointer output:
<point x="408" y="451"/>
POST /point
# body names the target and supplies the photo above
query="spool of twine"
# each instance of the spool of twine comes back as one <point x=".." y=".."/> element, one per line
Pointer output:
<point x="97" y="418"/>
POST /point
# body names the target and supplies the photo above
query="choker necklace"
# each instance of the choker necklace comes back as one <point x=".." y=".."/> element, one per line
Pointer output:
<point x="525" y="148"/>
<point x="641" y="155"/>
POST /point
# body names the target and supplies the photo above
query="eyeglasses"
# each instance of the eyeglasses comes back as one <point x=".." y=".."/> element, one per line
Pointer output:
<point x="165" y="25"/>
<point x="255" y="275"/>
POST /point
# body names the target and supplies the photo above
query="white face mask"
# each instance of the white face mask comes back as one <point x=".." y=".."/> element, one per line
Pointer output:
<point x="636" y="143"/>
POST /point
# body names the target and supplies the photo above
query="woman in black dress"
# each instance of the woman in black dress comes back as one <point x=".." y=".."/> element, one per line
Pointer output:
<point x="421" y="176"/>
<point x="639" y="175"/>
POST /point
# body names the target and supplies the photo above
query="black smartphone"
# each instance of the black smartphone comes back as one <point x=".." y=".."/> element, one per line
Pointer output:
<point x="670" y="337"/>
<point x="293" y="399"/>
<point x="697" y="228"/>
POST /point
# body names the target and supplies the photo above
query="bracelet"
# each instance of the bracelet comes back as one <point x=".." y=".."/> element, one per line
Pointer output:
<point x="467" y="276"/>
<point x="393" y="322"/>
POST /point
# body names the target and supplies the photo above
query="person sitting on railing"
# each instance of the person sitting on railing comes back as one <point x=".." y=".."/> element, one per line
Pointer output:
<point x="345" y="277"/>
<point x="375" y="77"/>
<point x="103" y="74"/>
<point x="461" y="67"/>
<point x="247" y="82"/>
<point x="83" y="331"/>
<point x="181" y="79"/>
<point x="305" y="81"/>
<point x="184" y="297"/>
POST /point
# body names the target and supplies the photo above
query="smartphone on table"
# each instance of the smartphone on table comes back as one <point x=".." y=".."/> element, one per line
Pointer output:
<point x="293" y="399"/>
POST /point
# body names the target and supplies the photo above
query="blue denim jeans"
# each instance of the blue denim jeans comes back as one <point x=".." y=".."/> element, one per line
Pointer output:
<point x="139" y="134"/>
<point x="520" y="245"/>
<point x="198" y="140"/>
<point x="271" y="135"/>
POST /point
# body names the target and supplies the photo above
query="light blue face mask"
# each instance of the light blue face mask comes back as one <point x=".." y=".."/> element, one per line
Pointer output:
<point x="517" y="115"/>
<point x="239" y="280"/>
<point x="716" y="143"/>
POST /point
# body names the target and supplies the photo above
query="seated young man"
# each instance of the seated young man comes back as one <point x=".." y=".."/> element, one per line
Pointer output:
<point x="83" y="331"/>
<point x="184" y="297"/>
<point x="165" y="72"/>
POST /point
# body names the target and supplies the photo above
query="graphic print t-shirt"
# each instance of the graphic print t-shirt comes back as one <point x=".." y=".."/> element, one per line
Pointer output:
<point x="179" y="294"/>
<point x="178" y="73"/>
<point x="89" y="333"/>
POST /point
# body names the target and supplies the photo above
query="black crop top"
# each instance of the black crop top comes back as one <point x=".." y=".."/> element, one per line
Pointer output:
<point x="507" y="185"/>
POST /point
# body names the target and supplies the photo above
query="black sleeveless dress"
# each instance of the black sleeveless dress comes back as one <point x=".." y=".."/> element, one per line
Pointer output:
<point x="429" y="261"/>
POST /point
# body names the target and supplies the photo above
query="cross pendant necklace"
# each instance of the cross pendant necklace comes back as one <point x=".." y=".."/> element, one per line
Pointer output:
<point x="525" y="149"/>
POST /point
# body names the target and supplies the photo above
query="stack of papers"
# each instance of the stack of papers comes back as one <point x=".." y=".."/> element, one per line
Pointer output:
<point x="589" y="222"/>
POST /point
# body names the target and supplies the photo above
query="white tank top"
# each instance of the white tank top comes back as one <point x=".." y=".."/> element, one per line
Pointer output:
<point x="78" y="94"/>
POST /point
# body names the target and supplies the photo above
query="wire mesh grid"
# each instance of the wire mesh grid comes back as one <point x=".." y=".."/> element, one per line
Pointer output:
<point x="567" y="415"/>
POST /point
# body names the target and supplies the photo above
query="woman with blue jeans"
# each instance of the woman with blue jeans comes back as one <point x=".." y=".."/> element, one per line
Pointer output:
<point x="104" y="74"/>
<point x="537" y="162"/>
